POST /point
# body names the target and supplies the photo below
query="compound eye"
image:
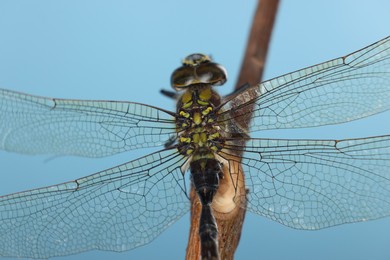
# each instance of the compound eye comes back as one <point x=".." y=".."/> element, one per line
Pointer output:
<point x="211" y="73"/>
<point x="182" y="77"/>
<point x="197" y="72"/>
<point x="196" y="59"/>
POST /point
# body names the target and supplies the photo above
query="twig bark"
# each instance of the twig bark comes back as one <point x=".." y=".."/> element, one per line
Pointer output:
<point x="257" y="47"/>
<point x="230" y="224"/>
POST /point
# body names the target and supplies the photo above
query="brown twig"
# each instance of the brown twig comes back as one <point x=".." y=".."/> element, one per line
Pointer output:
<point x="230" y="224"/>
<point x="257" y="47"/>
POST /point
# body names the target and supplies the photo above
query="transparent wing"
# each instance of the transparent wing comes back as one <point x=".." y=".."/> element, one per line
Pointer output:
<point x="313" y="184"/>
<point x="116" y="209"/>
<point x="337" y="91"/>
<point x="38" y="125"/>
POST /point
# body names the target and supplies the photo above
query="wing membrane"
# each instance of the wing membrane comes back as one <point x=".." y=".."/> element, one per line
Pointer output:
<point x="38" y="125"/>
<point x="313" y="184"/>
<point x="116" y="209"/>
<point x="337" y="91"/>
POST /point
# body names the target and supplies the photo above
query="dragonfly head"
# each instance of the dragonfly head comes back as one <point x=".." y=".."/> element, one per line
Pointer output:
<point x="198" y="69"/>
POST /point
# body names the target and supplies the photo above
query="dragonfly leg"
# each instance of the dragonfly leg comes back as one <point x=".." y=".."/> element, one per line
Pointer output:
<point x="168" y="93"/>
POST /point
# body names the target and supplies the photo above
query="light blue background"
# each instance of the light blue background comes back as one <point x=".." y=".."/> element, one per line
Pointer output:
<point x="126" y="50"/>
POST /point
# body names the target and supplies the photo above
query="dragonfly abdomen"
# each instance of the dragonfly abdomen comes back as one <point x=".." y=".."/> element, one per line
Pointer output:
<point x="208" y="233"/>
<point x="205" y="174"/>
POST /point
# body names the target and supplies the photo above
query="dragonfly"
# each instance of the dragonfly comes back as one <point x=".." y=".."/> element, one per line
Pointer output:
<point x="301" y="183"/>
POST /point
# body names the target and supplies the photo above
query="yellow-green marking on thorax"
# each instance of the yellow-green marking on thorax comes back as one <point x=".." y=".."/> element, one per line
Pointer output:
<point x="194" y="126"/>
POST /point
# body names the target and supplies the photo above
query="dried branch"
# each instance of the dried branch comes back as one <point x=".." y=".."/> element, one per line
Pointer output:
<point x="230" y="225"/>
<point x="256" y="50"/>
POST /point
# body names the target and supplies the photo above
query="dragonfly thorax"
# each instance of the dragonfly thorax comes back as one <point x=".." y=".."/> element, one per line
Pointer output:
<point x="195" y="121"/>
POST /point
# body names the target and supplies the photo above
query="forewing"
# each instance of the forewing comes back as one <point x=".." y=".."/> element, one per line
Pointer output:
<point x="116" y="209"/>
<point x="38" y="125"/>
<point x="337" y="91"/>
<point x="313" y="184"/>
